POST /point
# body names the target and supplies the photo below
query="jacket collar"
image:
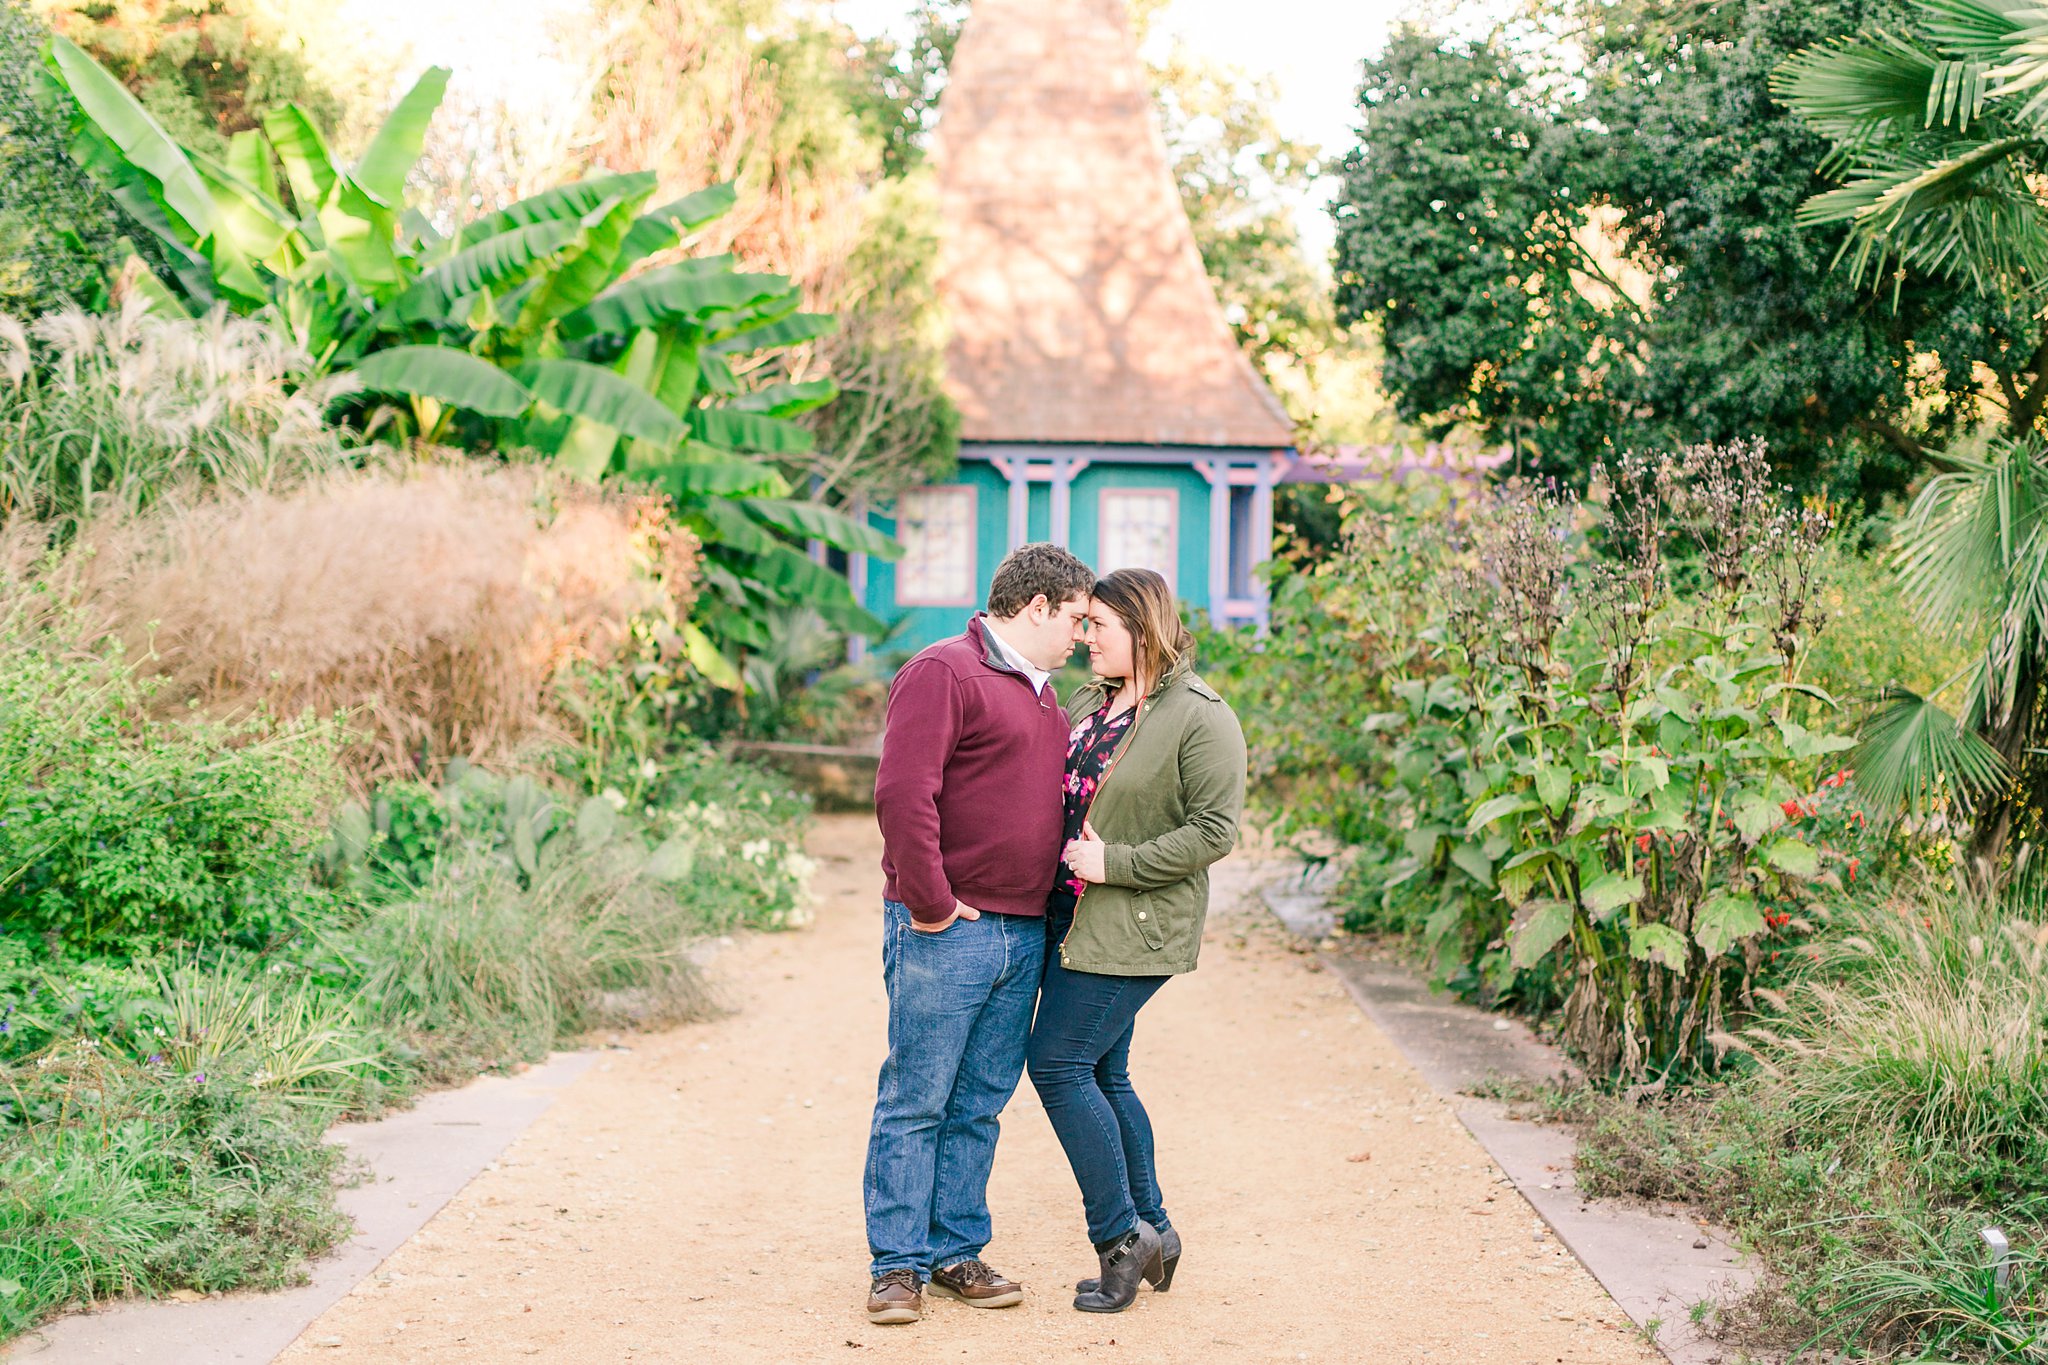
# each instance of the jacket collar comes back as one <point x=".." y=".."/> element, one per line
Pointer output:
<point x="984" y="643"/>
<point x="1091" y="696"/>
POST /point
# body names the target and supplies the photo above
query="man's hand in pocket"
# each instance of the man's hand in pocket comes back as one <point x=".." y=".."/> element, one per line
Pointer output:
<point x="961" y="910"/>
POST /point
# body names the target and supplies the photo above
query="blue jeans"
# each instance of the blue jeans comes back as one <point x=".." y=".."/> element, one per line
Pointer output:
<point x="959" y="1017"/>
<point x="1080" y="1062"/>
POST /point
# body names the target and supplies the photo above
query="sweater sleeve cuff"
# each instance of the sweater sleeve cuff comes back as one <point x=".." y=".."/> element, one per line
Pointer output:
<point x="933" y="914"/>
<point x="1116" y="864"/>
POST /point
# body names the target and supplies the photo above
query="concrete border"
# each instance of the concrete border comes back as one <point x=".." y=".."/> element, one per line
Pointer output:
<point x="1657" y="1262"/>
<point x="418" y="1160"/>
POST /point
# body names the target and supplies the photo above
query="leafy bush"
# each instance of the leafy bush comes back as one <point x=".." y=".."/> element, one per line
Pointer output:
<point x="131" y="1181"/>
<point x="120" y="833"/>
<point x="112" y="413"/>
<point x="60" y="234"/>
<point x="592" y="363"/>
<point x="1895" y="1104"/>
<point x="1572" y="775"/>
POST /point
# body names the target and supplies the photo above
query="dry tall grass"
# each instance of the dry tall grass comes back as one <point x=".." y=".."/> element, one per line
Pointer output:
<point x="432" y="604"/>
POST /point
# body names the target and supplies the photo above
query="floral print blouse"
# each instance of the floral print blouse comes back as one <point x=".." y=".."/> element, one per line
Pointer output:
<point x="1090" y="746"/>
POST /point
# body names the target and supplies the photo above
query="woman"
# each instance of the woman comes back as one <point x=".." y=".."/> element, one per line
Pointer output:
<point x="1155" y="784"/>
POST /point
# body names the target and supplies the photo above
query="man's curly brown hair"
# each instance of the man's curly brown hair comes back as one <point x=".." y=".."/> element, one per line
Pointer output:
<point x="1029" y="570"/>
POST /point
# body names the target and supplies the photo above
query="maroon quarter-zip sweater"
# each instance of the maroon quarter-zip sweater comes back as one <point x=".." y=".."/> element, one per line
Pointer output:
<point x="968" y="791"/>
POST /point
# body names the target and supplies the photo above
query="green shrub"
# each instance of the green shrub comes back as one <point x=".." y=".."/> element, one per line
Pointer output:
<point x="1574" y="770"/>
<point x="1894" y="1106"/>
<point x="60" y="235"/>
<point x="134" y="1181"/>
<point x="479" y="968"/>
<point x="120" y="833"/>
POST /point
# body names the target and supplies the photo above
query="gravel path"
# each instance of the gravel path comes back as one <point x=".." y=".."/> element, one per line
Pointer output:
<point x="697" y="1199"/>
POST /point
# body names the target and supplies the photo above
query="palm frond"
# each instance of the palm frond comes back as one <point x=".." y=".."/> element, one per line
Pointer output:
<point x="1955" y="547"/>
<point x="1852" y="86"/>
<point x="1913" y="756"/>
<point x="2025" y="65"/>
<point x="1972" y="28"/>
<point x="1941" y="204"/>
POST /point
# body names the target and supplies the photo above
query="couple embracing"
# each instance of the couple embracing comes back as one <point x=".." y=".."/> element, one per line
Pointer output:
<point x="1046" y="874"/>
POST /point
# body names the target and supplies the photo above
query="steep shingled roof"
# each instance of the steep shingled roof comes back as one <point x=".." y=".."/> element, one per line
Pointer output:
<point x="1080" y="308"/>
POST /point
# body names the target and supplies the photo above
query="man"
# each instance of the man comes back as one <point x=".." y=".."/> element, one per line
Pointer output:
<point x="974" y="749"/>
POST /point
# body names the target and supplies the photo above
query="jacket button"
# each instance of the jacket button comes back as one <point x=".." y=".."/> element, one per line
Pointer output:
<point x="1141" y="914"/>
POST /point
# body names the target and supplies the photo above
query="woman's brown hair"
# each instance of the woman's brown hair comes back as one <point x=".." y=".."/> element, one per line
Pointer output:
<point x="1145" y="604"/>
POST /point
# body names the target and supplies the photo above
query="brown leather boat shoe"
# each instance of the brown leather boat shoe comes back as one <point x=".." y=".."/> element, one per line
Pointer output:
<point x="895" y="1297"/>
<point x="975" y="1285"/>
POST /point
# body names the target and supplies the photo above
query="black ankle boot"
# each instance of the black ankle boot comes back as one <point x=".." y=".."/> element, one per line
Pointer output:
<point x="1122" y="1266"/>
<point x="1160" y="1273"/>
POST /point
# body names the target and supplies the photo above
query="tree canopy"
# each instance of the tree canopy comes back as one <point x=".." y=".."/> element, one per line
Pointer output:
<point x="1587" y="261"/>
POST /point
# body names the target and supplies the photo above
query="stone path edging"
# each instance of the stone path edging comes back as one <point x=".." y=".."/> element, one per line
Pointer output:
<point x="1656" y="1262"/>
<point x="418" y="1160"/>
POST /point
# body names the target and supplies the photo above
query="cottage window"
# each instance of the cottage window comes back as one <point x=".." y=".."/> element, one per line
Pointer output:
<point x="937" y="529"/>
<point x="1141" y="530"/>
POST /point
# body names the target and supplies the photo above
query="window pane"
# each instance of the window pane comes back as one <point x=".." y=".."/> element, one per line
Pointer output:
<point x="1140" y="530"/>
<point x="936" y="526"/>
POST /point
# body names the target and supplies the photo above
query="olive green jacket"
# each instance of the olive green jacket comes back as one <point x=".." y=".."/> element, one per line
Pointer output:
<point x="1168" y="807"/>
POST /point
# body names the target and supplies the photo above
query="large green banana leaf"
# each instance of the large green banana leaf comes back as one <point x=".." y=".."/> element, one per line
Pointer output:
<point x="576" y="386"/>
<point x="573" y="201"/>
<point x="793" y="330"/>
<point x="718" y="478"/>
<point x="671" y="294"/>
<point x="661" y="229"/>
<point x="752" y="431"/>
<point x="397" y="146"/>
<point x="799" y="581"/>
<point x="454" y="377"/>
<point x="114" y="117"/>
<point x="495" y="263"/>
<point x="788" y="400"/>
<point x="815" y="522"/>
<point x="309" y="168"/>
<point x="586" y="267"/>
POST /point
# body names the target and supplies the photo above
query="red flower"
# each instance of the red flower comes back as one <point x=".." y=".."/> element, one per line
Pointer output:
<point x="1792" y="809"/>
<point x="1854" y="863"/>
<point x="1643" y="842"/>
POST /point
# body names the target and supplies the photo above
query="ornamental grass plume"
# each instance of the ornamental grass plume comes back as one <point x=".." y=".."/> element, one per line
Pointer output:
<point x="1921" y="1030"/>
<point x="432" y="604"/>
<point x="108" y="413"/>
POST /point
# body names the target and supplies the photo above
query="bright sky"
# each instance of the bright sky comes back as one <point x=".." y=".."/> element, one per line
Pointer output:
<point x="1311" y="48"/>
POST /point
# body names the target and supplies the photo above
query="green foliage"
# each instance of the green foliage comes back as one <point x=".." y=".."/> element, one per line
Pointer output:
<point x="208" y="69"/>
<point x="111" y="413"/>
<point x="134" y="1181"/>
<point x="538" y="327"/>
<point x="897" y="84"/>
<point x="1970" y="558"/>
<point x="1579" y="783"/>
<point x="1895" y="1102"/>
<point x="1937" y="128"/>
<point x="120" y="833"/>
<point x="1588" y="262"/>
<point x="60" y="235"/>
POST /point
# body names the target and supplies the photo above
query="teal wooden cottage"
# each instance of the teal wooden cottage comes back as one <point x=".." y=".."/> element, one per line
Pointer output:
<point x="1105" y="404"/>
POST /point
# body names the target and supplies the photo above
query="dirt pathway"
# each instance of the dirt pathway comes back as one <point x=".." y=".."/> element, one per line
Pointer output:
<point x="697" y="1199"/>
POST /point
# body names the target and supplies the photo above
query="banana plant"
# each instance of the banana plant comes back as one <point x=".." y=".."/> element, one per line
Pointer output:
<point x="564" y="325"/>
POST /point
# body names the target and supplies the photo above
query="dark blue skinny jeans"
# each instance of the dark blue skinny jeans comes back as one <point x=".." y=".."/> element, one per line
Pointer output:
<point x="1080" y="1062"/>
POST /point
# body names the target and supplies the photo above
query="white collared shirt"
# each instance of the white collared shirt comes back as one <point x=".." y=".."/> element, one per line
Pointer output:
<point x="1007" y="652"/>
